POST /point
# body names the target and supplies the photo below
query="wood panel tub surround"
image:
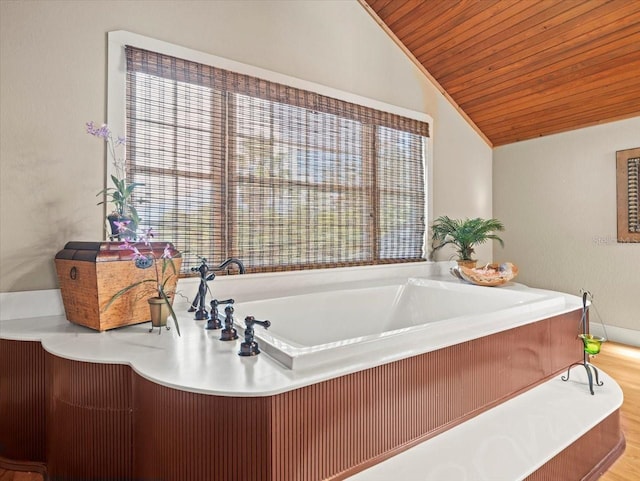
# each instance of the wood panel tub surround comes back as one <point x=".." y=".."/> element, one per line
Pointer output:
<point x="89" y="420"/>
<point x="327" y="430"/>
<point x="22" y="406"/>
<point x="335" y="428"/>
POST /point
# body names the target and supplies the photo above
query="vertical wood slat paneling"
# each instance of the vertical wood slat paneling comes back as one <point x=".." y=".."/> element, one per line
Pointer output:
<point x="89" y="420"/>
<point x="22" y="400"/>
<point x="411" y="400"/>
<point x="105" y="422"/>
<point x="180" y="435"/>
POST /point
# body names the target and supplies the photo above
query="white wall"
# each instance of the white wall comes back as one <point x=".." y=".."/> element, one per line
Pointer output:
<point x="53" y="80"/>
<point x="557" y="197"/>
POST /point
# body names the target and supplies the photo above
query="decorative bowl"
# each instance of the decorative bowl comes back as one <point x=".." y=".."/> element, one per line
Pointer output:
<point x="490" y="275"/>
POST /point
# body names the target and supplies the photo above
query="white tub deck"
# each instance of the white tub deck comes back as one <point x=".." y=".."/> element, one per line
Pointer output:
<point x="199" y="362"/>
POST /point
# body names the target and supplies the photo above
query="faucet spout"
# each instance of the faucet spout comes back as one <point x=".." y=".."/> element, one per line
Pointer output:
<point x="206" y="275"/>
<point x="228" y="262"/>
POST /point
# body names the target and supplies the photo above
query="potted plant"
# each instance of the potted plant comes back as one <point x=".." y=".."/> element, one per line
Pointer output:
<point x="464" y="235"/>
<point x="120" y="195"/>
<point x="164" y="268"/>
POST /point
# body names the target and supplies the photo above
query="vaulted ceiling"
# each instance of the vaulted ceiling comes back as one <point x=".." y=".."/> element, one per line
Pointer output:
<point x="520" y="69"/>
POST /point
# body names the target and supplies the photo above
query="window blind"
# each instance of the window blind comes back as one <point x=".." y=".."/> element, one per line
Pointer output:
<point x="281" y="178"/>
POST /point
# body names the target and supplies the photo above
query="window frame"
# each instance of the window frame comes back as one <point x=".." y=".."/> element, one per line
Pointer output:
<point x="116" y="94"/>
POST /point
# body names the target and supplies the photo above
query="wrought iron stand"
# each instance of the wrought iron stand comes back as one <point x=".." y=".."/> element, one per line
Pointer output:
<point x="592" y="371"/>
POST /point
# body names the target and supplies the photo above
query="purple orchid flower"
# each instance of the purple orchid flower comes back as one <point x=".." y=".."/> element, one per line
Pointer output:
<point x="136" y="253"/>
<point x="91" y="128"/>
<point x="102" y="131"/>
<point x="167" y="252"/>
<point x="147" y="236"/>
<point x="121" y="225"/>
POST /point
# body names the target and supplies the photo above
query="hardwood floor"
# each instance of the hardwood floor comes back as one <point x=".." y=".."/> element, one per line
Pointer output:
<point x="18" y="476"/>
<point x="623" y="364"/>
<point x="619" y="361"/>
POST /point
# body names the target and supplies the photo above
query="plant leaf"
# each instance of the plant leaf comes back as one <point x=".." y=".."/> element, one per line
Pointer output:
<point x="464" y="234"/>
<point x="171" y="311"/>
<point x="134" y="214"/>
<point x="124" y="291"/>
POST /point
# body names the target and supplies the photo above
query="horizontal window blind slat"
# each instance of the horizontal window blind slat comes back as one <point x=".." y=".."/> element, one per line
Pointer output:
<point x="180" y="70"/>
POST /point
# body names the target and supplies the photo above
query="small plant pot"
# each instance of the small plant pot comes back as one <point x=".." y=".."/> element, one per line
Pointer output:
<point x="592" y="344"/>
<point x="159" y="312"/>
<point x="468" y="263"/>
<point x="130" y="233"/>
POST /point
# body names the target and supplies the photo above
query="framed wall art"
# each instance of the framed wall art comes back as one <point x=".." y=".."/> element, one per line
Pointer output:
<point x="628" y="193"/>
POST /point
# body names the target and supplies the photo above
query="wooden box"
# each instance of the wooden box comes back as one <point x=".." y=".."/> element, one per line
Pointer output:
<point x="91" y="273"/>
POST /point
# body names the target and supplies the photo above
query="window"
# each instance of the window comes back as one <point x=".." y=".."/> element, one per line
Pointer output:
<point x="281" y="178"/>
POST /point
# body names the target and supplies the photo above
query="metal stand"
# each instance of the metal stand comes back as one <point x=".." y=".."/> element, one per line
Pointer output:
<point x="590" y="368"/>
<point x="591" y="372"/>
<point x="159" y="329"/>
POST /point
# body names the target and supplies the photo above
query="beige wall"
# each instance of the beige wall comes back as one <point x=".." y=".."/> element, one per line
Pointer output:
<point x="53" y="80"/>
<point x="557" y="197"/>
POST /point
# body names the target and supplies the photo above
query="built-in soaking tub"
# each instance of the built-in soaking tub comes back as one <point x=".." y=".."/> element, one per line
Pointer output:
<point x="415" y="316"/>
<point x="379" y="360"/>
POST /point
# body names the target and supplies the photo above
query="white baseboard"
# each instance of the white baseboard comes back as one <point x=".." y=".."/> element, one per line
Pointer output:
<point x="630" y="337"/>
<point x="26" y="304"/>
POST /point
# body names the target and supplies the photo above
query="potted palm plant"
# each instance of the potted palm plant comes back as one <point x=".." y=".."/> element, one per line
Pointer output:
<point x="464" y="235"/>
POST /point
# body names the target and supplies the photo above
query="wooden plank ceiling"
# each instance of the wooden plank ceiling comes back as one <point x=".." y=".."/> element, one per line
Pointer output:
<point x="521" y="69"/>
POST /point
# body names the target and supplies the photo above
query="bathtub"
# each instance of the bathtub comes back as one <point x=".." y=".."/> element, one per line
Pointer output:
<point x="391" y="321"/>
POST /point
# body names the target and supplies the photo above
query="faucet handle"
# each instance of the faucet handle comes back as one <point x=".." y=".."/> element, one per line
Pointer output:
<point x="214" y="320"/>
<point x="250" y="347"/>
<point x="250" y="321"/>
<point x="228" y="333"/>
